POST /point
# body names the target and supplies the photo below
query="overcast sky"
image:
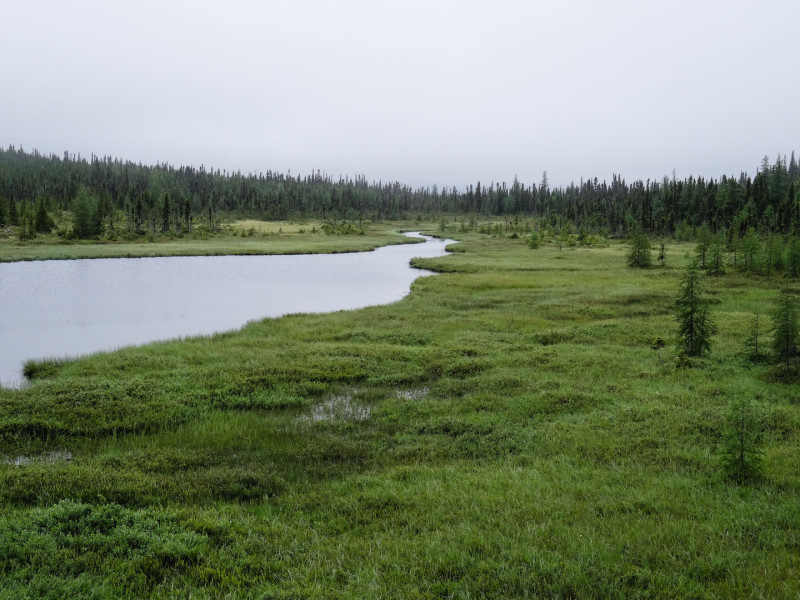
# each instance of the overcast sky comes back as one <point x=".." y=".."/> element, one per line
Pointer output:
<point x="424" y="92"/>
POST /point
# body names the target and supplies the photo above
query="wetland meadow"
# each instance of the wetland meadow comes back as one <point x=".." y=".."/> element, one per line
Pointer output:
<point x="509" y="429"/>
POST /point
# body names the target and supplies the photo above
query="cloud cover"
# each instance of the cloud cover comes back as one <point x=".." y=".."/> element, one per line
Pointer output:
<point x="438" y="92"/>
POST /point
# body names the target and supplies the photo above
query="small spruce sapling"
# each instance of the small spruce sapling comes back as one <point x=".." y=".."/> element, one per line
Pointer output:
<point x="715" y="263"/>
<point x="741" y="450"/>
<point x="703" y="244"/>
<point x="754" y="344"/>
<point x="695" y="326"/>
<point x="785" y="332"/>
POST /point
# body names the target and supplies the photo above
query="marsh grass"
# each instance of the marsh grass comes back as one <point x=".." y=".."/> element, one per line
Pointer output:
<point x="523" y="438"/>
<point x="273" y="238"/>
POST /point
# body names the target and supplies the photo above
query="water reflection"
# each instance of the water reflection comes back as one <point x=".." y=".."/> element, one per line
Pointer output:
<point x="73" y="307"/>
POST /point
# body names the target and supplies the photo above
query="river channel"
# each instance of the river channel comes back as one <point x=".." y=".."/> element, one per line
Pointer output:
<point x="59" y="308"/>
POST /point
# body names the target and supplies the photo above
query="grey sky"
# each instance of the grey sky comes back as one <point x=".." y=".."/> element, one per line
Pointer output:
<point x="444" y="92"/>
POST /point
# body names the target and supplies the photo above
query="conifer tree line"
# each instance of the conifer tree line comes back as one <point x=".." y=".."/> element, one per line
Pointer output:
<point x="160" y="197"/>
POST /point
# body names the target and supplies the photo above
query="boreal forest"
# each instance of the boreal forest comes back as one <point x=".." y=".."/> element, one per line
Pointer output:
<point x="162" y="197"/>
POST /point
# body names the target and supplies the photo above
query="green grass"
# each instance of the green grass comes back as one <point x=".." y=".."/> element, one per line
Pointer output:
<point x="268" y="238"/>
<point x="505" y="431"/>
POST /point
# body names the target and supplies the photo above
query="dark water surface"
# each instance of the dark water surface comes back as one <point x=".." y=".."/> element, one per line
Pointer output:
<point x="62" y="308"/>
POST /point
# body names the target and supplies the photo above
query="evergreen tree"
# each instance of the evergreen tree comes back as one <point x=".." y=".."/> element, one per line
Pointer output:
<point x="750" y="248"/>
<point x="639" y="255"/>
<point x="695" y="326"/>
<point x="2" y="213"/>
<point x="741" y="452"/>
<point x="785" y="324"/>
<point x="165" y="214"/>
<point x="42" y="222"/>
<point x="773" y="254"/>
<point x="26" y="226"/>
<point x="716" y="253"/>
<point x="703" y="244"/>
<point x="13" y="215"/>
<point x="770" y="201"/>
<point x="753" y="345"/>
<point x="138" y="210"/>
<point x="150" y="210"/>
<point x="96" y="219"/>
<point x="211" y="208"/>
<point x="791" y="257"/>
<point x="793" y="169"/>
<point x="734" y="244"/>
<point x="85" y="215"/>
<point x="187" y="214"/>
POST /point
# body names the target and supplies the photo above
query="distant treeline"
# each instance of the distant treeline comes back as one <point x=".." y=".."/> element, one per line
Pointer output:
<point x="162" y="195"/>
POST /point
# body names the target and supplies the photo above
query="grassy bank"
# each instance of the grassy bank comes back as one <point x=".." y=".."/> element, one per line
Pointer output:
<point x="236" y="237"/>
<point x="505" y="431"/>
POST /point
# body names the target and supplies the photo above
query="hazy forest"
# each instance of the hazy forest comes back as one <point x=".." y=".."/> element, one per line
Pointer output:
<point x="115" y="196"/>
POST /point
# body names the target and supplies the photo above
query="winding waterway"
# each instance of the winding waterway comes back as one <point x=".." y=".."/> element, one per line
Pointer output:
<point x="62" y="308"/>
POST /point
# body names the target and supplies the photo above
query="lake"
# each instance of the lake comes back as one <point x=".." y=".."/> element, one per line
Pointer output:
<point x="60" y="308"/>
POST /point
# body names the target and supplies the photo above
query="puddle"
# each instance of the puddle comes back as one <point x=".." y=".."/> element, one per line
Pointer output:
<point x="415" y="394"/>
<point x="45" y="457"/>
<point x="345" y="407"/>
<point x="339" y="408"/>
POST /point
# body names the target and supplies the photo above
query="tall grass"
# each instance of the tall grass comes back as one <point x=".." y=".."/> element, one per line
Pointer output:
<point x="524" y="437"/>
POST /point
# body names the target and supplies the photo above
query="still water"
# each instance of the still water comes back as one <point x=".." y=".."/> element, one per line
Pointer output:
<point x="72" y="307"/>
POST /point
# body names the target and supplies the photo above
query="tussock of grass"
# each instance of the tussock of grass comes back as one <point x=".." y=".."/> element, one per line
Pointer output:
<point x="555" y="451"/>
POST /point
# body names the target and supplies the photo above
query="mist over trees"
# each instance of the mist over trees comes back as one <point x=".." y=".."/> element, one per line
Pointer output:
<point x="160" y="197"/>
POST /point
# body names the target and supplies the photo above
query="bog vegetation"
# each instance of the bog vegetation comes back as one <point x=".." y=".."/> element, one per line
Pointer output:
<point x="537" y="420"/>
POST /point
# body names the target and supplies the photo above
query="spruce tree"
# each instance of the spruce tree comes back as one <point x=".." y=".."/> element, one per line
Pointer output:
<point x="26" y="231"/>
<point x="42" y="222"/>
<point x="791" y="257"/>
<point x="695" y="326"/>
<point x="741" y="452"/>
<point x="715" y="254"/>
<point x="85" y="215"/>
<point x="703" y="244"/>
<point x="785" y="324"/>
<point x="750" y="250"/>
<point x="754" y="344"/>
<point x="187" y="214"/>
<point x="165" y="214"/>
<point x="639" y="254"/>
<point x="13" y="215"/>
<point x="138" y="210"/>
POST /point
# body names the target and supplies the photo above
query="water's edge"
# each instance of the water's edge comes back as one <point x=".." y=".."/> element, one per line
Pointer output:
<point x="66" y="309"/>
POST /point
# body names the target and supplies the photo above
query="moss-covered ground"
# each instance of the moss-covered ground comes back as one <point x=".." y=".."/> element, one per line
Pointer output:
<point x="505" y="431"/>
